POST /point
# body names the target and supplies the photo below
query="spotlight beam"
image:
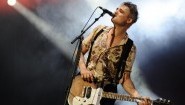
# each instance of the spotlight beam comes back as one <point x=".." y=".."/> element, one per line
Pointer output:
<point x="46" y="29"/>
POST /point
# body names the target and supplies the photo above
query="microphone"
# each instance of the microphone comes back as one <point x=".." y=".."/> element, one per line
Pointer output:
<point x="106" y="11"/>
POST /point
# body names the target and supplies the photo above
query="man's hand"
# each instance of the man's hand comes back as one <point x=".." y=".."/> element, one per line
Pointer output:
<point x="87" y="75"/>
<point x="146" y="101"/>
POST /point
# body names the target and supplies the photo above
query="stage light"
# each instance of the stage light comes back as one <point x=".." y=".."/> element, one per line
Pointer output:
<point x="11" y="2"/>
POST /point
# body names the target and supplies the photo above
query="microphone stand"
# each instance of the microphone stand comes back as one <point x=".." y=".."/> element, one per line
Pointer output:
<point x="77" y="58"/>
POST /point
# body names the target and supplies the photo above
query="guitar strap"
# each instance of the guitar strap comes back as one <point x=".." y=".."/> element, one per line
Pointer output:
<point x="92" y="42"/>
<point x="122" y="62"/>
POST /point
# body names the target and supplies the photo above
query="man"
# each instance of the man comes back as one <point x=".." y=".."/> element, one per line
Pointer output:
<point x="106" y="52"/>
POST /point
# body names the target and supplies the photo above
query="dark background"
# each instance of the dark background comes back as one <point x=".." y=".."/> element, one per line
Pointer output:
<point x="35" y="72"/>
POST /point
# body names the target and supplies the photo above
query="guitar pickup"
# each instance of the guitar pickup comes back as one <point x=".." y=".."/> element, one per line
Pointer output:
<point x="88" y="92"/>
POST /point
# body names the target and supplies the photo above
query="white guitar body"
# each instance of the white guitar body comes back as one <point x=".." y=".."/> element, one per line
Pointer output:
<point x="93" y="99"/>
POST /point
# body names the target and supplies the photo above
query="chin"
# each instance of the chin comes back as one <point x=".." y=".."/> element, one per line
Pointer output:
<point x="113" y="20"/>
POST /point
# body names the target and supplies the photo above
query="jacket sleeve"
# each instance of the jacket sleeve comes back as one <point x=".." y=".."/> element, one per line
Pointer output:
<point x="87" y="41"/>
<point x="130" y="59"/>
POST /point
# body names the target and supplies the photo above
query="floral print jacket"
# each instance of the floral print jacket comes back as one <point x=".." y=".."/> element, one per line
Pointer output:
<point x="104" y="61"/>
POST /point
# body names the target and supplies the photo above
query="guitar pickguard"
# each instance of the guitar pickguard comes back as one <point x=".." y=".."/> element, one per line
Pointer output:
<point x="77" y="89"/>
<point x="92" y="99"/>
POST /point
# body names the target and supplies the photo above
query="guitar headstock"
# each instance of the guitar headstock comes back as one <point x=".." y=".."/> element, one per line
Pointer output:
<point x="162" y="101"/>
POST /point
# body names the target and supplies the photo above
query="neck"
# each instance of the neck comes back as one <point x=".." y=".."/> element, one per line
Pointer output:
<point x="119" y="31"/>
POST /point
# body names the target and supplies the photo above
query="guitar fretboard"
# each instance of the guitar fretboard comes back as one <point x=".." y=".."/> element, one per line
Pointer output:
<point x="120" y="97"/>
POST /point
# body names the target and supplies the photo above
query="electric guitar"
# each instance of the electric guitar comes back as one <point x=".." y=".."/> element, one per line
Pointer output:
<point x="85" y="93"/>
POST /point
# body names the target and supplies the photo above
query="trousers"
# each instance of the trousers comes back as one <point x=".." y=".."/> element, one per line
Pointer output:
<point x="109" y="88"/>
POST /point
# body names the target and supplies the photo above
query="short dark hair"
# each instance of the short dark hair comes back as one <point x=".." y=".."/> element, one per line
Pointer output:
<point x="133" y="10"/>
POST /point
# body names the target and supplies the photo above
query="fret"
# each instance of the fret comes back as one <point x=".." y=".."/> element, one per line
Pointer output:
<point x="120" y="97"/>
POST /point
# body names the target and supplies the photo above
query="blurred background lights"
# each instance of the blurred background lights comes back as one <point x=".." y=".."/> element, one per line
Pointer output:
<point x="11" y="2"/>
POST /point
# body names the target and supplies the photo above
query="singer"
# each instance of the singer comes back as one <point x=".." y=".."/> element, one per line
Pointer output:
<point x="111" y="57"/>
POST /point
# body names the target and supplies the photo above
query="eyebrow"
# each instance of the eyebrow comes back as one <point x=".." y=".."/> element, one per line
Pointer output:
<point x="121" y="10"/>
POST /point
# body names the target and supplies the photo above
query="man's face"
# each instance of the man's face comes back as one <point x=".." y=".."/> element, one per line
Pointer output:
<point x="122" y="15"/>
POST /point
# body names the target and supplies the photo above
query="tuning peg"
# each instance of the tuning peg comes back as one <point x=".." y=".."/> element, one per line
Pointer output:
<point x="164" y="100"/>
<point x="169" y="102"/>
<point x="160" y="99"/>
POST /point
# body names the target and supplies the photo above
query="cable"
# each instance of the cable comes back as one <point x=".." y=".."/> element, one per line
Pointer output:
<point x="89" y="19"/>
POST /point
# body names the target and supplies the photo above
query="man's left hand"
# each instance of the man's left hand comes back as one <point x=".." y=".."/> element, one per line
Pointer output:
<point x="146" y="101"/>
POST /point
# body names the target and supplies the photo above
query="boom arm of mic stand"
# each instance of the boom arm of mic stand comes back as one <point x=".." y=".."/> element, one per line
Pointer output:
<point x="82" y="32"/>
<point x="80" y="38"/>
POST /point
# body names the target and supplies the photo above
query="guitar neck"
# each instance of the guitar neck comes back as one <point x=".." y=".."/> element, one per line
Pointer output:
<point x="120" y="97"/>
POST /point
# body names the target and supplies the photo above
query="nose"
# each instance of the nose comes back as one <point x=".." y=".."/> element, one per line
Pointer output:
<point x="116" y="11"/>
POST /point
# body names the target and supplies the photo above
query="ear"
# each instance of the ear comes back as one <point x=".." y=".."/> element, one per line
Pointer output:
<point x="129" y="20"/>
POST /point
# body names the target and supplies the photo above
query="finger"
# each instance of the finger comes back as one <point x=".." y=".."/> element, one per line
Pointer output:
<point x="149" y="102"/>
<point x="88" y="77"/>
<point x="138" y="101"/>
<point x="82" y="76"/>
<point x="92" y="78"/>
